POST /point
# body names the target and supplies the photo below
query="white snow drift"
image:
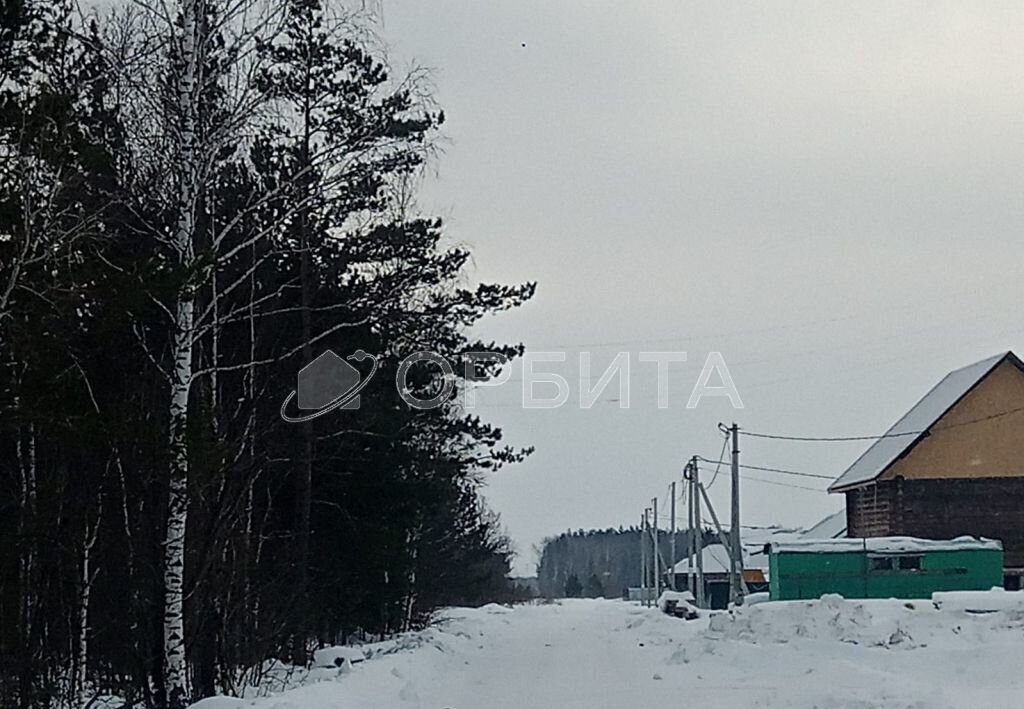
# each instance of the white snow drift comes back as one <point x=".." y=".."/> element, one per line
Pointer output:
<point x="610" y="654"/>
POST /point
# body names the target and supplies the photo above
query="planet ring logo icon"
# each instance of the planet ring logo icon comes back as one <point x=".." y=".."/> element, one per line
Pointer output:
<point x="327" y="383"/>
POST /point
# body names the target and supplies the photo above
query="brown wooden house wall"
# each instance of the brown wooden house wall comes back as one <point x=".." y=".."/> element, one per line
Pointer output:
<point x="942" y="509"/>
<point x="870" y="511"/>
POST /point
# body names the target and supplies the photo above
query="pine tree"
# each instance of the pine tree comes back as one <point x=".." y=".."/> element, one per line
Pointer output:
<point x="195" y="247"/>
<point x="573" y="587"/>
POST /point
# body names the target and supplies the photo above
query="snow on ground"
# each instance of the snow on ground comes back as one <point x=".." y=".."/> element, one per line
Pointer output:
<point x="585" y="654"/>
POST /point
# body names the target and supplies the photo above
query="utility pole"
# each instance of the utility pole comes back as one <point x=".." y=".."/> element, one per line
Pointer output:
<point x="721" y="532"/>
<point x="736" y="558"/>
<point x="691" y="543"/>
<point x="699" y="527"/>
<point x="643" y="558"/>
<point x="672" y="539"/>
<point x="657" y="557"/>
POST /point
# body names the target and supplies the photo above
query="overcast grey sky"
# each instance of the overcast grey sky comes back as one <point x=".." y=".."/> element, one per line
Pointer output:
<point x="830" y="194"/>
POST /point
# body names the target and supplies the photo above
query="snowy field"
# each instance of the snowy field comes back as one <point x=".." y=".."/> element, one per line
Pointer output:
<point x="580" y="654"/>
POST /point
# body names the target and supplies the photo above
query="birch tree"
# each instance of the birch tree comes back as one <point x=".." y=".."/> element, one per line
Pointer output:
<point x="220" y="190"/>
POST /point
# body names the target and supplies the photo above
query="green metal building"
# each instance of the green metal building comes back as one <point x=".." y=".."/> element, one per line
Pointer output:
<point x="882" y="567"/>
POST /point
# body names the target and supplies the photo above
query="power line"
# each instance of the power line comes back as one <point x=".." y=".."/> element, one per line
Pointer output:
<point x="788" y="472"/>
<point x="718" y="466"/>
<point x="783" y="471"/>
<point x="782" y="484"/>
<point x="763" y="329"/>
<point x="708" y="335"/>
<point x="981" y="419"/>
<point x="829" y="439"/>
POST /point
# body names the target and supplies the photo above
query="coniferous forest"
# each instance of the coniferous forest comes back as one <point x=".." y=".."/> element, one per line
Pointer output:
<point x="601" y="563"/>
<point x="196" y="200"/>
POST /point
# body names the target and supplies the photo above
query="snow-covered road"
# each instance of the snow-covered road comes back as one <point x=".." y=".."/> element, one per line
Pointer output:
<point x="614" y="655"/>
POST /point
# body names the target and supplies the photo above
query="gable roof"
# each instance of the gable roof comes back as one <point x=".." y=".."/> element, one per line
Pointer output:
<point x="715" y="560"/>
<point x="832" y="527"/>
<point x="905" y="433"/>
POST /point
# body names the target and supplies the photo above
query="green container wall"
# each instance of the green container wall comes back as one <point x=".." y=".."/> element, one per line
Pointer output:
<point x="808" y="575"/>
<point x="811" y="575"/>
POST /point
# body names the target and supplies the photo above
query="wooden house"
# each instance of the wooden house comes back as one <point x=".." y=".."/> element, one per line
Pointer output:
<point x="952" y="466"/>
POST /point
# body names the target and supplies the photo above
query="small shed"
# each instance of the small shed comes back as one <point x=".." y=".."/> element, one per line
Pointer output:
<point x="715" y="560"/>
<point x="882" y="567"/>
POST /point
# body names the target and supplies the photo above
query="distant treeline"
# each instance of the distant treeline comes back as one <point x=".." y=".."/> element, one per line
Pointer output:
<point x="599" y="562"/>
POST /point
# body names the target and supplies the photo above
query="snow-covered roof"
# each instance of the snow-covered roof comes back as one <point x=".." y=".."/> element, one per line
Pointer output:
<point x="832" y="527"/>
<point x="901" y="436"/>
<point x="716" y="560"/>
<point x="884" y="545"/>
<point x="714" y="556"/>
<point x="754" y="538"/>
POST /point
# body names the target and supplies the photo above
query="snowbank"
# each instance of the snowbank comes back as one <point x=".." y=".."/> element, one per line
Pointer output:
<point x="832" y="618"/>
<point x="753" y="599"/>
<point x="884" y="623"/>
<point x="980" y="601"/>
<point x="577" y="654"/>
<point x="668" y="597"/>
<point x="337" y="656"/>
<point x="218" y="703"/>
<point x="678" y="603"/>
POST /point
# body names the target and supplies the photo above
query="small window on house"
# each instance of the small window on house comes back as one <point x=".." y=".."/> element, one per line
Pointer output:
<point x="910" y="563"/>
<point x="881" y="563"/>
